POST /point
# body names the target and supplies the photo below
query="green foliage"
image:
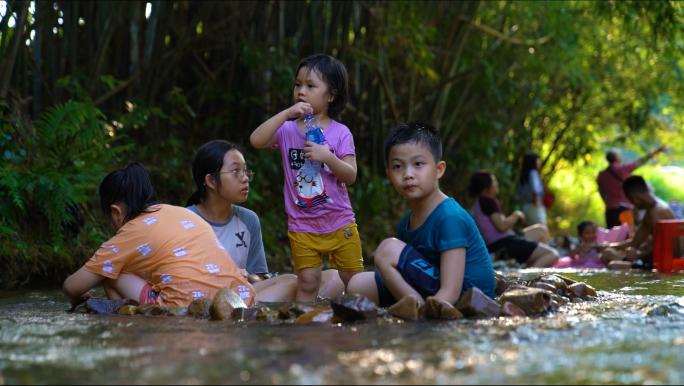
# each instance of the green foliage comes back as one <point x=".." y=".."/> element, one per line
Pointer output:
<point x="567" y="80"/>
<point x="378" y="208"/>
<point x="665" y="181"/>
<point x="49" y="174"/>
<point x="266" y="199"/>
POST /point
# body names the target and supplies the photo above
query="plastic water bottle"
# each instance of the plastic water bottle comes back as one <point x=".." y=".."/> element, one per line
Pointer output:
<point x="314" y="133"/>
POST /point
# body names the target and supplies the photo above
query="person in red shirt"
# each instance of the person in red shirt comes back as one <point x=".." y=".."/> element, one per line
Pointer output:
<point x="610" y="183"/>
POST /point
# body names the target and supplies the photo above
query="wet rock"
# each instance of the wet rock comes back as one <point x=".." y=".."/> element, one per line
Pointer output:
<point x="244" y="314"/>
<point x="321" y="314"/>
<point x="502" y="283"/>
<point x="475" y="304"/>
<point x="285" y="314"/>
<point x="266" y="314"/>
<point x="177" y="310"/>
<point x="560" y="299"/>
<point x="553" y="305"/>
<point x="558" y="283"/>
<point x="581" y="290"/>
<point x="533" y="301"/>
<point x="292" y="311"/>
<point x="128" y="309"/>
<point x="406" y="308"/>
<point x="439" y="309"/>
<point x="510" y="309"/>
<point x="252" y="278"/>
<point x="79" y="309"/>
<point x="200" y="308"/>
<point x="106" y="306"/>
<point x="225" y="301"/>
<point x="354" y="307"/>
<point x="545" y="286"/>
<point x="527" y="276"/>
<point x="567" y="280"/>
<point x="152" y="310"/>
<point x="515" y="286"/>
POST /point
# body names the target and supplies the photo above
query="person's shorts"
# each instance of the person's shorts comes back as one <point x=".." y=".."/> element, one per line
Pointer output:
<point x="515" y="246"/>
<point x="147" y="295"/>
<point x="419" y="273"/>
<point x="342" y="246"/>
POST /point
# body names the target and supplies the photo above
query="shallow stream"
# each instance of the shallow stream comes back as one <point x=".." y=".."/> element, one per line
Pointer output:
<point x="634" y="333"/>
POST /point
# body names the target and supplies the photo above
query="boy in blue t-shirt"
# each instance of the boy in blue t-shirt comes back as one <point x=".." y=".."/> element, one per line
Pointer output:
<point x="439" y="251"/>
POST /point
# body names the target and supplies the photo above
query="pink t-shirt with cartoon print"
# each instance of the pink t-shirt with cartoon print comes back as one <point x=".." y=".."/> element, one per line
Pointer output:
<point x="321" y="204"/>
<point x="174" y="250"/>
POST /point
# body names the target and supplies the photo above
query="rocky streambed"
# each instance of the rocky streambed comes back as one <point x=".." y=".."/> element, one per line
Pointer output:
<point x="629" y="331"/>
<point x="516" y="296"/>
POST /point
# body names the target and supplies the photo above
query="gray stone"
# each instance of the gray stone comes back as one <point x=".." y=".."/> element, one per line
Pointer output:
<point x="475" y="304"/>
<point x="225" y="301"/>
<point x="533" y="301"/>
<point x="354" y="307"/>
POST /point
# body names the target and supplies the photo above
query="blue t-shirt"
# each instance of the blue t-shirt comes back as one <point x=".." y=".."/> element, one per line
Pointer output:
<point x="449" y="226"/>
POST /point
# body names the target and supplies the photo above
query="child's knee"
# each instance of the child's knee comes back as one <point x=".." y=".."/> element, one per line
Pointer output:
<point x="388" y="251"/>
<point x="549" y="250"/>
<point x="308" y="280"/>
<point x="358" y="283"/>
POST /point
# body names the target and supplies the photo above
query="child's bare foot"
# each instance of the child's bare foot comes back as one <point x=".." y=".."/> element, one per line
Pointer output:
<point x="621" y="265"/>
<point x="439" y="309"/>
<point x="407" y="308"/>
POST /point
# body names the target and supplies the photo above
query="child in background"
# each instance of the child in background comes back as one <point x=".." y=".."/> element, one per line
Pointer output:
<point x="222" y="181"/>
<point x="439" y="252"/>
<point x="587" y="253"/>
<point x="326" y="224"/>
<point x="497" y="227"/>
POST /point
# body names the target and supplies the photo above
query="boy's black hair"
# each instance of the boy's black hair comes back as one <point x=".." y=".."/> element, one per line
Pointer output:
<point x="414" y="132"/>
<point x="634" y="184"/>
<point x="208" y="160"/>
<point x="334" y="74"/>
<point x="479" y="181"/>
<point x="132" y="186"/>
<point x="583" y="225"/>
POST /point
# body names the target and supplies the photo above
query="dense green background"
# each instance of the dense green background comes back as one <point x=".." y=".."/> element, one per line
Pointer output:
<point x="86" y="86"/>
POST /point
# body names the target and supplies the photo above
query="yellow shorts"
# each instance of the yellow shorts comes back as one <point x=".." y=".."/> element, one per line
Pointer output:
<point x="342" y="246"/>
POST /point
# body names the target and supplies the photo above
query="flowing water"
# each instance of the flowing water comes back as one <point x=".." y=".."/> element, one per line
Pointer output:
<point x="634" y="333"/>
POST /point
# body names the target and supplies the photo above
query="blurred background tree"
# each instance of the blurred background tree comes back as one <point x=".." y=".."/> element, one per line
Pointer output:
<point x="86" y="86"/>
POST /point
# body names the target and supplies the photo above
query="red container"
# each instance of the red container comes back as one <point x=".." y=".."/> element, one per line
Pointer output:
<point x="668" y="247"/>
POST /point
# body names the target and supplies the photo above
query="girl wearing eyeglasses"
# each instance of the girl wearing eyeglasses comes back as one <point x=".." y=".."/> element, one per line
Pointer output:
<point x="222" y="181"/>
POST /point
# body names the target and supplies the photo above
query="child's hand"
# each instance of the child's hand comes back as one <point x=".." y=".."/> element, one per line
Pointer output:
<point x="75" y="302"/>
<point x="299" y="109"/>
<point x="520" y="215"/>
<point x="316" y="152"/>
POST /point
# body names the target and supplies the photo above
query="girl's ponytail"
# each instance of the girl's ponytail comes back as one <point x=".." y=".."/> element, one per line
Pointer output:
<point x="132" y="186"/>
<point x="194" y="199"/>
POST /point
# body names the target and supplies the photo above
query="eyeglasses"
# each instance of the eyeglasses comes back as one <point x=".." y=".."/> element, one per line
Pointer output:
<point x="240" y="173"/>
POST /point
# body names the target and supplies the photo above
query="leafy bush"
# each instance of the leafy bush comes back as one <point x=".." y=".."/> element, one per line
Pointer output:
<point x="50" y="171"/>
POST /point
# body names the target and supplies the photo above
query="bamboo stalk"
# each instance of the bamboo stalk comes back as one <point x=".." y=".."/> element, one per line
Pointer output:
<point x="8" y="61"/>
